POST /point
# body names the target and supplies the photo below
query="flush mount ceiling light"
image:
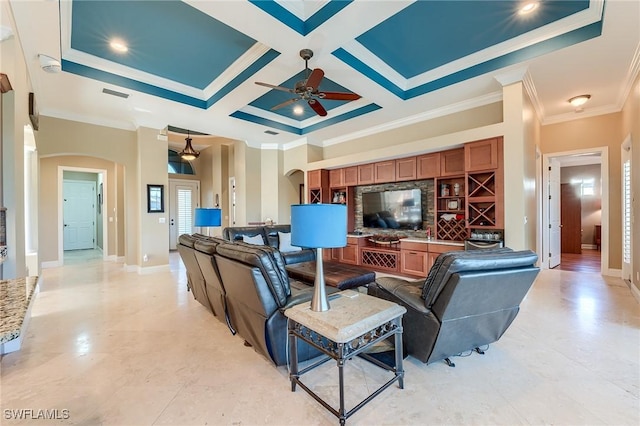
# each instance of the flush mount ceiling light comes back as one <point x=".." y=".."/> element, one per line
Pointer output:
<point x="49" y="64"/>
<point x="188" y="153"/>
<point x="578" y="101"/>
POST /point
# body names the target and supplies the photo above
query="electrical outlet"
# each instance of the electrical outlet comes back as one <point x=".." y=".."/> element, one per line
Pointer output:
<point x="145" y="258"/>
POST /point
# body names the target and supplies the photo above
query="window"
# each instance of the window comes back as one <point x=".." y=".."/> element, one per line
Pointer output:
<point x="185" y="212"/>
<point x="179" y="166"/>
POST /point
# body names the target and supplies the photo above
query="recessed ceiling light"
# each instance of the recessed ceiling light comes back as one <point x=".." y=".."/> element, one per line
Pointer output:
<point x="528" y="7"/>
<point x="298" y="110"/>
<point x="119" y="46"/>
<point x="578" y="101"/>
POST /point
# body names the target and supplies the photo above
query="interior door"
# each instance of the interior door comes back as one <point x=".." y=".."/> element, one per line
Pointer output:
<point x="571" y="218"/>
<point x="554" y="213"/>
<point x="79" y="214"/>
<point x="184" y="197"/>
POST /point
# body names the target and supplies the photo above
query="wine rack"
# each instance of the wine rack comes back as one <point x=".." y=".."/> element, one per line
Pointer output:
<point x="452" y="229"/>
<point x="380" y="259"/>
<point x="482" y="199"/>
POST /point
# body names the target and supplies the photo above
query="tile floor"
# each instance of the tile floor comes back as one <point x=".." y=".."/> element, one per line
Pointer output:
<point x="106" y="346"/>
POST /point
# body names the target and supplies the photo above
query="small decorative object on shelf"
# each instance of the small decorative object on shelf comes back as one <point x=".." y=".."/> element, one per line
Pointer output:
<point x="456" y="189"/>
<point x="444" y="190"/>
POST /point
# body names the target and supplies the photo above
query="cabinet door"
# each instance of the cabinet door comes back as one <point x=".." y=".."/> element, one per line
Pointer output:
<point x="384" y="171"/>
<point x="428" y="166"/>
<point x="481" y="155"/>
<point x="351" y="176"/>
<point x="336" y="178"/>
<point x="452" y="162"/>
<point x="365" y="174"/>
<point x="314" y="178"/>
<point x="414" y="262"/>
<point x="349" y="254"/>
<point x="406" y="169"/>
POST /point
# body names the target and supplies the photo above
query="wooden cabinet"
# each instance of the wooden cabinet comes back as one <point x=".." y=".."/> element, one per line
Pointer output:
<point x="406" y="169"/>
<point x="336" y="178"/>
<point x="351" y="176"/>
<point x="481" y="155"/>
<point x="428" y="166"/>
<point x="485" y="191"/>
<point x="414" y="258"/>
<point x="365" y="174"/>
<point x="452" y="162"/>
<point x="345" y="195"/>
<point x="384" y="171"/>
<point x="350" y="254"/>
<point x="318" y="182"/>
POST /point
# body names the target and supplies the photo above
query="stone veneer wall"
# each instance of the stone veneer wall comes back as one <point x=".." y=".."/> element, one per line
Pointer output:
<point x="427" y="201"/>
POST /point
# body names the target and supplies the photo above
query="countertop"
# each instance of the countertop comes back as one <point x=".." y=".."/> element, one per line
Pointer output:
<point x="426" y="241"/>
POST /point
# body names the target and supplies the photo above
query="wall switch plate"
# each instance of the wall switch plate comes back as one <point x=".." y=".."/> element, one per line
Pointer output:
<point x="161" y="220"/>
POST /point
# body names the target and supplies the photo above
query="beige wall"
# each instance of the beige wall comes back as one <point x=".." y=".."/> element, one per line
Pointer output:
<point x="532" y="186"/>
<point x="595" y="132"/>
<point x="269" y="176"/>
<point x="14" y="119"/>
<point x="153" y="234"/>
<point x="631" y="127"/>
<point x="464" y="120"/>
<point x="59" y="137"/>
<point x="50" y="198"/>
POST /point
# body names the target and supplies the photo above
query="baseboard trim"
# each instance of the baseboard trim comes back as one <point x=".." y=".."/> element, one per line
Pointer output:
<point x="635" y="291"/>
<point x="589" y="247"/>
<point x="613" y="273"/>
<point x="51" y="264"/>
<point x="153" y="269"/>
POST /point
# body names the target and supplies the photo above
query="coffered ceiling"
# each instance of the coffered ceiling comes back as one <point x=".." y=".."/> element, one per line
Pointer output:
<point x="194" y="64"/>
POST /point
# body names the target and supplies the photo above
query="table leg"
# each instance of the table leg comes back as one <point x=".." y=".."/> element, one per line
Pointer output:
<point x="398" y="353"/>
<point x="293" y="356"/>
<point x="341" y="360"/>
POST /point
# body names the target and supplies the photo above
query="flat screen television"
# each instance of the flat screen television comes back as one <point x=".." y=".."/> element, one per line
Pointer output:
<point x="398" y="209"/>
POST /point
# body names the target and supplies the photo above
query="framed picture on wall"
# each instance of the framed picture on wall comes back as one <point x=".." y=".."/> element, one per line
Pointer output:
<point x="155" y="198"/>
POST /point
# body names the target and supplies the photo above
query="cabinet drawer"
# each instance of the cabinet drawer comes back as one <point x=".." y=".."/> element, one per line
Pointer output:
<point x="443" y="248"/>
<point x="349" y="254"/>
<point x="406" y="245"/>
<point x="414" y="262"/>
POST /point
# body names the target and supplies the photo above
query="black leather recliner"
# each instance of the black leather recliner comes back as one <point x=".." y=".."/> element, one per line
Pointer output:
<point x="468" y="300"/>
<point x="195" y="278"/>
<point x="258" y="291"/>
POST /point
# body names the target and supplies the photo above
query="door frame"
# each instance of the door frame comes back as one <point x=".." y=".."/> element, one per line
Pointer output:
<point x="105" y="223"/>
<point x="626" y="152"/>
<point x="604" y="177"/>
<point x="172" y="185"/>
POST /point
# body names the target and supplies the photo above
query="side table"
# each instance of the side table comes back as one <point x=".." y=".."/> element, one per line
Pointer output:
<point x="353" y="324"/>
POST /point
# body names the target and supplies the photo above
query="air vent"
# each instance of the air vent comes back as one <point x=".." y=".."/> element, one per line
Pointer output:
<point x="115" y="93"/>
<point x="271" y="132"/>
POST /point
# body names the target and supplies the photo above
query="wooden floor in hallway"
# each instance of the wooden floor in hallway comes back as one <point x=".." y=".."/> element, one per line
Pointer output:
<point x="588" y="261"/>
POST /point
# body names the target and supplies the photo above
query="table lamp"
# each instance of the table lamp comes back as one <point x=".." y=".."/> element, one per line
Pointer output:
<point x="208" y="217"/>
<point x="319" y="226"/>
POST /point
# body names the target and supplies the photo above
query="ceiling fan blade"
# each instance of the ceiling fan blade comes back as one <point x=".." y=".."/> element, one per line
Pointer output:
<point x="317" y="107"/>
<point x="339" y="96"/>
<point x="284" y="89"/>
<point x="285" y="103"/>
<point x="314" y="79"/>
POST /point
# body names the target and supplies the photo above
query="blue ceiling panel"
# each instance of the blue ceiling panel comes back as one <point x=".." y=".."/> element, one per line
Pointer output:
<point x="168" y="39"/>
<point x="412" y="41"/>
<point x="301" y="26"/>
<point x="275" y="97"/>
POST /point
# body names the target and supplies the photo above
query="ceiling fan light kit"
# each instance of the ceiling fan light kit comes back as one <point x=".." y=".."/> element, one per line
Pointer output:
<point x="309" y="89"/>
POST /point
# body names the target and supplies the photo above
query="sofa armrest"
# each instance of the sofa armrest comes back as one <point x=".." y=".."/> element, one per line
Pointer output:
<point x="408" y="291"/>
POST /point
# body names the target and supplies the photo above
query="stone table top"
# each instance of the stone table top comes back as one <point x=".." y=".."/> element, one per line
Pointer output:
<point x="15" y="296"/>
<point x="351" y="315"/>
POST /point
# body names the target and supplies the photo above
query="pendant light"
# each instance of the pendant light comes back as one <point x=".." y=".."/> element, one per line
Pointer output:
<point x="188" y="153"/>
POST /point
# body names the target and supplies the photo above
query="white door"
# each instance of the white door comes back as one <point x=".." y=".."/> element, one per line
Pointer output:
<point x="627" y="212"/>
<point x="79" y="214"/>
<point x="184" y="197"/>
<point x="554" y="213"/>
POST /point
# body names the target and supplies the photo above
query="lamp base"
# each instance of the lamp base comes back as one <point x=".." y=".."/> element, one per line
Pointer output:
<point x="320" y="301"/>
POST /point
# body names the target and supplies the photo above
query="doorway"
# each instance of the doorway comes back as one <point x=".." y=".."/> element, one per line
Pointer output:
<point x="79" y="211"/>
<point x="99" y="181"/>
<point x="569" y="237"/>
<point x="184" y="198"/>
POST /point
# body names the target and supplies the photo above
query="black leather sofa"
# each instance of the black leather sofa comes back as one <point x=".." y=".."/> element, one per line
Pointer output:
<point x="269" y="234"/>
<point x="247" y="287"/>
<point x="468" y="300"/>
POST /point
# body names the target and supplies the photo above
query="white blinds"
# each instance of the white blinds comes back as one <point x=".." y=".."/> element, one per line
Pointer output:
<point x="626" y="206"/>
<point x="185" y="212"/>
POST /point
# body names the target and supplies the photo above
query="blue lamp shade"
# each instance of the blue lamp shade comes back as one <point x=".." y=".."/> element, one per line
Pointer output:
<point x="319" y="225"/>
<point x="208" y="217"/>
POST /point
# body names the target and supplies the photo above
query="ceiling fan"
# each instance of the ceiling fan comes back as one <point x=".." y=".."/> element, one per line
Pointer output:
<point x="308" y="89"/>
